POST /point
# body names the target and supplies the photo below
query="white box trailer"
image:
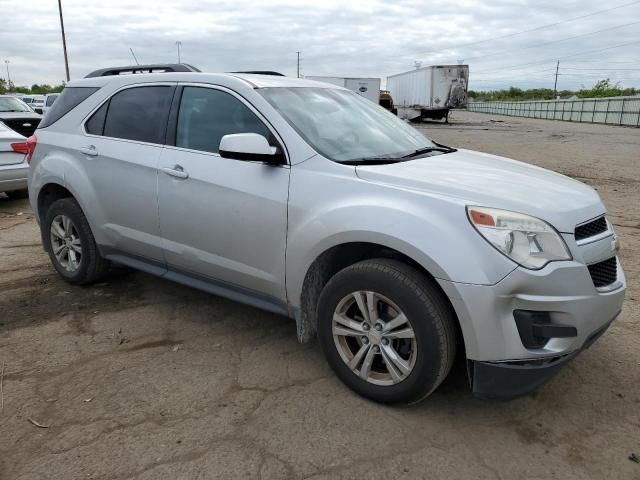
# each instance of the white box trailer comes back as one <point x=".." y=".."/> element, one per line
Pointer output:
<point x="429" y="92"/>
<point x="369" y="88"/>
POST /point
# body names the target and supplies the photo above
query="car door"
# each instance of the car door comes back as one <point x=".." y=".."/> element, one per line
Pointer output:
<point x="222" y="219"/>
<point x="125" y="136"/>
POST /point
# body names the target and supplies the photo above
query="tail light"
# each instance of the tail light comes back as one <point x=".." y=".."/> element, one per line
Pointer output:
<point x="32" y="142"/>
<point x="26" y="148"/>
<point x="20" y="147"/>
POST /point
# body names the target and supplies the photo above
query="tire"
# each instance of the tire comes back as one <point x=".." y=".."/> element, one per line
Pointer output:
<point x="17" y="194"/>
<point x="396" y="287"/>
<point x="89" y="265"/>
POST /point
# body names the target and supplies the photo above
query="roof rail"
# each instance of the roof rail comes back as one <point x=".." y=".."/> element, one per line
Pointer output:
<point x="153" y="68"/>
<point x="263" y="72"/>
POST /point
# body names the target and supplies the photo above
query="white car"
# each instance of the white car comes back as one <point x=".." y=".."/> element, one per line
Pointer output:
<point x="38" y="103"/>
<point x="14" y="168"/>
<point x="48" y="101"/>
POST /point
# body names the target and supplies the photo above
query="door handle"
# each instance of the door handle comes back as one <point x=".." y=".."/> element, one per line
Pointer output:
<point x="176" y="171"/>
<point x="90" y="150"/>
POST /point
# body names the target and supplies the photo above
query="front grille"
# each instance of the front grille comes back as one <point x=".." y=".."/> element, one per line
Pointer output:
<point x="604" y="273"/>
<point x="24" y="126"/>
<point x="591" y="228"/>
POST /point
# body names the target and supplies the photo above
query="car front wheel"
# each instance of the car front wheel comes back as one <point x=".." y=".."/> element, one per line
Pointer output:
<point x="386" y="330"/>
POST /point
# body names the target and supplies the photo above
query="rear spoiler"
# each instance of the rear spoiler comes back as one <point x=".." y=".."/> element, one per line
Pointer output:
<point x="153" y="68"/>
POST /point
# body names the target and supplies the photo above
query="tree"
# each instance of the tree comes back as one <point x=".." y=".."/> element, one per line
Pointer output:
<point x="602" y="88"/>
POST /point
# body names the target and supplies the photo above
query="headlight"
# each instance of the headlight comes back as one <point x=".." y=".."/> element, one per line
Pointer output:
<point x="526" y="240"/>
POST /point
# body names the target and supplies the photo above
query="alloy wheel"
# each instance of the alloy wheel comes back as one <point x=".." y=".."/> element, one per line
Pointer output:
<point x="374" y="338"/>
<point x="66" y="243"/>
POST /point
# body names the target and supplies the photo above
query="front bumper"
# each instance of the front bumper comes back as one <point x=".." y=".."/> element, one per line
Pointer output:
<point x="507" y="380"/>
<point x="508" y="357"/>
<point x="563" y="290"/>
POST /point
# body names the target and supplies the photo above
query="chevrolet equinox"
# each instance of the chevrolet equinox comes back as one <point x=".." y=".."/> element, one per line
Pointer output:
<point x="305" y="199"/>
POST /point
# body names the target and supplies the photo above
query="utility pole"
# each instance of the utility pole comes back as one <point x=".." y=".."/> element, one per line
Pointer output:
<point x="64" y="41"/>
<point x="555" y="84"/>
<point x="178" y="44"/>
<point x="8" y="76"/>
<point x="298" y="53"/>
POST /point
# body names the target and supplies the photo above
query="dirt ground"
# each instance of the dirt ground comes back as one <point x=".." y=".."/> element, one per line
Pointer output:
<point x="139" y="378"/>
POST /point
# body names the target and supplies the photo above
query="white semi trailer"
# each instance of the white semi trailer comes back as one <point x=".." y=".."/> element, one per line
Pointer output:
<point x="429" y="92"/>
<point x="367" y="87"/>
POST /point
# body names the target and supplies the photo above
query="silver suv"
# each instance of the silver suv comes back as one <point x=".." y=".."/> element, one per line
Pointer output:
<point x="307" y="200"/>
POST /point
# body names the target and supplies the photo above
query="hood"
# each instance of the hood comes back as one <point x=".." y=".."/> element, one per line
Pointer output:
<point x="490" y="181"/>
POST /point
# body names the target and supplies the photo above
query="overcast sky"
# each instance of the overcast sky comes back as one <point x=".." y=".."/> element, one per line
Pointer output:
<point x="336" y="37"/>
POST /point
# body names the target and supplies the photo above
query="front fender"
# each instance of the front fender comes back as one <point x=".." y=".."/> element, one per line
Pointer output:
<point x="433" y="231"/>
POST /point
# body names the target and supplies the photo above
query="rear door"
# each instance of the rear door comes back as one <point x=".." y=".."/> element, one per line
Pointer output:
<point x="125" y="136"/>
<point x="222" y="219"/>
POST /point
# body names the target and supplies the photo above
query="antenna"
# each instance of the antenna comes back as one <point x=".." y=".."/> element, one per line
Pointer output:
<point x="134" y="56"/>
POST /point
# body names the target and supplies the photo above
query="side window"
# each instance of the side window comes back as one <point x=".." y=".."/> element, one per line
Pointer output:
<point x="139" y="113"/>
<point x="95" y="125"/>
<point x="206" y="115"/>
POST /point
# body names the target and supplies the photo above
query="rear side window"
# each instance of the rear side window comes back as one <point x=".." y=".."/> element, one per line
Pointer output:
<point x="138" y="113"/>
<point x="51" y="99"/>
<point x="206" y="115"/>
<point x="70" y="98"/>
<point x="95" y="125"/>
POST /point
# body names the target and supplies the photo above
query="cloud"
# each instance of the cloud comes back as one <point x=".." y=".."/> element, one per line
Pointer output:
<point x="355" y="38"/>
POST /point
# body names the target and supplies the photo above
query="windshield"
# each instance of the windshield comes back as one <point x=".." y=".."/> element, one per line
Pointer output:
<point x="344" y="126"/>
<point x="9" y="104"/>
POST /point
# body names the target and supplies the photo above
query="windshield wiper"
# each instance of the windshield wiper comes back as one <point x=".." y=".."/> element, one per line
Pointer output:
<point x="422" y="151"/>
<point x="381" y="160"/>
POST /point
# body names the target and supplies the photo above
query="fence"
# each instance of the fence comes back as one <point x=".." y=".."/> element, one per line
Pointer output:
<point x="611" y="110"/>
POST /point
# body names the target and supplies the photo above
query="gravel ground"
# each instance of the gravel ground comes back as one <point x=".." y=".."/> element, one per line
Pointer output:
<point x="139" y="378"/>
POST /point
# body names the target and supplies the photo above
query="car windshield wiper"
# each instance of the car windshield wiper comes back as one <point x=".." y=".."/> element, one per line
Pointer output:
<point x="422" y="151"/>
<point x="381" y="160"/>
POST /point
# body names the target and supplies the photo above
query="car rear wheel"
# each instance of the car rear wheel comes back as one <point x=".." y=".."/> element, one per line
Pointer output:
<point x="387" y="331"/>
<point x="70" y="243"/>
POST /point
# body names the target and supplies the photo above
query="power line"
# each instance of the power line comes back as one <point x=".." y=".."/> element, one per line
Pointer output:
<point x="603" y="69"/>
<point x="608" y="61"/>
<point x="527" y="31"/>
<point x="553" y="41"/>
<point x="547" y="60"/>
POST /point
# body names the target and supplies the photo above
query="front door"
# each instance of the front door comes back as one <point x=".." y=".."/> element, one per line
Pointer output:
<point x="221" y="219"/>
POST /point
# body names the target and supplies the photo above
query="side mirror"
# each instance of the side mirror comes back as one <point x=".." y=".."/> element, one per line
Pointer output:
<point x="249" y="146"/>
